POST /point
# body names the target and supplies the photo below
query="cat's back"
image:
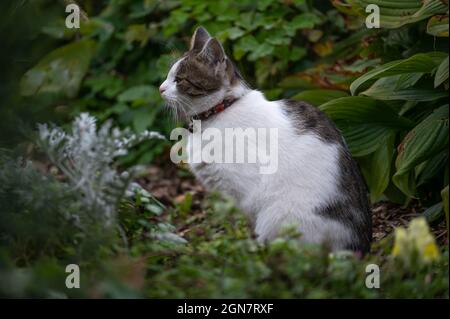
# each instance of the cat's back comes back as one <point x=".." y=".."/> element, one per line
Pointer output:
<point x="349" y="204"/>
<point x="307" y="118"/>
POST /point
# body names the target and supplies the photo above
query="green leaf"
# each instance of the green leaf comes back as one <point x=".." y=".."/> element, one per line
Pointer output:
<point x="377" y="167"/>
<point x="412" y="94"/>
<point x="434" y="213"/>
<point x="394" y="194"/>
<point x="235" y="32"/>
<point x="297" y="53"/>
<point x="319" y="97"/>
<point x="438" y="26"/>
<point x="396" y="13"/>
<point x="137" y="33"/>
<point x="365" y="123"/>
<point x="360" y="66"/>
<point x="419" y="63"/>
<point x="430" y="168"/>
<point x="143" y="118"/>
<point x="260" y="51"/>
<point x="398" y="87"/>
<point x="424" y="141"/>
<point x="364" y="110"/>
<point x="303" y="21"/>
<point x="406" y="183"/>
<point x="263" y="4"/>
<point x="60" y="71"/>
<point x="243" y="46"/>
<point x="139" y="95"/>
<point x="364" y="139"/>
<point x="441" y="73"/>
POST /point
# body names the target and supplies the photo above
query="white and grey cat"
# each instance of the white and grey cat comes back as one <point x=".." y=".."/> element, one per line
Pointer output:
<point x="317" y="188"/>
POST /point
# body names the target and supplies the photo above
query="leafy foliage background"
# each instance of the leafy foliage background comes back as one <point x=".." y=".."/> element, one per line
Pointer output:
<point x="386" y="89"/>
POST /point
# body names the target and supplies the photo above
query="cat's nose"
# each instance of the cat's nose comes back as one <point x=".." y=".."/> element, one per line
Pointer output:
<point x="161" y="89"/>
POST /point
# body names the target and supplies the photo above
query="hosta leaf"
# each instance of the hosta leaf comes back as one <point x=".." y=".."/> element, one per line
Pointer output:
<point x="396" y="13"/>
<point x="406" y="183"/>
<point x="364" y="139"/>
<point x="319" y="97"/>
<point x="377" y="167"/>
<point x="434" y="213"/>
<point x="364" y="110"/>
<point x="394" y="194"/>
<point x="412" y="94"/>
<point x="427" y="139"/>
<point x="365" y="123"/>
<point x="429" y="169"/>
<point x="419" y="63"/>
<point x="438" y="26"/>
<point x="399" y="87"/>
<point x="441" y="73"/>
<point x="60" y="71"/>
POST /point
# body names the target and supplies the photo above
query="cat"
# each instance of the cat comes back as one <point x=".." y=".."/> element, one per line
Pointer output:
<point x="317" y="188"/>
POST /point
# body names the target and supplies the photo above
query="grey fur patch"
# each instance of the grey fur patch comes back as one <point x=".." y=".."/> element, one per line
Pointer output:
<point x="309" y="118"/>
<point x="205" y="68"/>
<point x="352" y="208"/>
<point x="196" y="77"/>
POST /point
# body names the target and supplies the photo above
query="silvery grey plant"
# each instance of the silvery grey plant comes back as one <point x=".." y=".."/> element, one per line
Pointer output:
<point x="86" y="156"/>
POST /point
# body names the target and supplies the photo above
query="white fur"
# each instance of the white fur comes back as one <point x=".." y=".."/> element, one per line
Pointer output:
<point x="307" y="175"/>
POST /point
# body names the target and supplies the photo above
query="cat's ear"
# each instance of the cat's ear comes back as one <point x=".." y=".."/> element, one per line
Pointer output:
<point x="200" y="37"/>
<point x="213" y="51"/>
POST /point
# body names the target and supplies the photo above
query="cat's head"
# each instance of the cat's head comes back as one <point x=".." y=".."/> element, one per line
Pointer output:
<point x="201" y="78"/>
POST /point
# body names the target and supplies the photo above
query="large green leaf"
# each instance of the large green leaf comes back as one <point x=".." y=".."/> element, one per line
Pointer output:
<point x="60" y="71"/>
<point x="430" y="168"/>
<point x="364" y="139"/>
<point x="377" y="167"/>
<point x="412" y="94"/>
<point x="319" y="97"/>
<point x="365" y="123"/>
<point x="441" y="73"/>
<point x="434" y="213"/>
<point x="427" y="139"/>
<point x="364" y="110"/>
<point x="419" y="63"/>
<point x="406" y="183"/>
<point x="399" y="87"/>
<point x="396" y="13"/>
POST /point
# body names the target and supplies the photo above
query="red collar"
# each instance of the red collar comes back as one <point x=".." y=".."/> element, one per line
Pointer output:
<point x="212" y="111"/>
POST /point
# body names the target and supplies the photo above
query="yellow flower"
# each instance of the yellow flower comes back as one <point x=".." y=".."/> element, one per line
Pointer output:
<point x="416" y="239"/>
<point x="401" y="242"/>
